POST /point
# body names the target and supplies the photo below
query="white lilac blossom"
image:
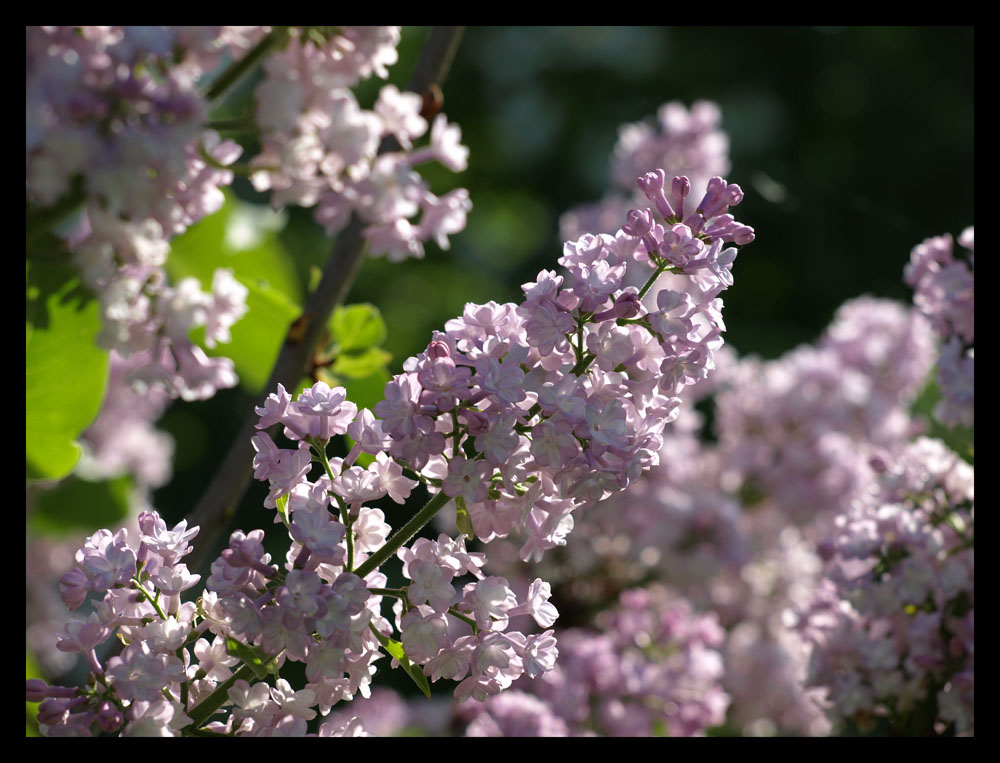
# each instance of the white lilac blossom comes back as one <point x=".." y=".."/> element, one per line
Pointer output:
<point x="892" y="627"/>
<point x="944" y="291"/>
<point x="322" y="606"/>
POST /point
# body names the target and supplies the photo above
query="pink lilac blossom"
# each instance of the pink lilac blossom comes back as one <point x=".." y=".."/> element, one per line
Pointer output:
<point x="684" y="521"/>
<point x="679" y="524"/>
<point x="892" y="624"/>
<point x="652" y="670"/>
<point x="123" y="575"/>
<point x="123" y="439"/>
<point x="800" y="430"/>
<point x="114" y="114"/>
<point x="944" y="291"/>
<point x="320" y="148"/>
<point x="322" y="608"/>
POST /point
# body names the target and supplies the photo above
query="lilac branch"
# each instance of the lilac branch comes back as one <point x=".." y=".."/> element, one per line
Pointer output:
<point x="219" y="501"/>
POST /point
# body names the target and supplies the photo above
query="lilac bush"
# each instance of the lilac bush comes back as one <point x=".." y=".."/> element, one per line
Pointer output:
<point x="616" y="525"/>
<point x="520" y="415"/>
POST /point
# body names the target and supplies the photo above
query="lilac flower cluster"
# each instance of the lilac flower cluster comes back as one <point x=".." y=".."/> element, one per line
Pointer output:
<point x="893" y="624"/>
<point x="683" y="525"/>
<point x="116" y="126"/>
<point x="140" y="589"/>
<point x="944" y="291"/>
<point x="123" y="440"/>
<point x="800" y="429"/>
<point x="713" y="519"/>
<point x="523" y="413"/>
<point x="684" y="142"/>
<point x="173" y="672"/>
<point x="520" y="415"/>
<point x="115" y="122"/>
<point x="320" y="147"/>
<point x="653" y="669"/>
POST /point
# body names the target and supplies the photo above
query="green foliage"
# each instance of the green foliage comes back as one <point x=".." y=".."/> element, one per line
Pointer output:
<point x="358" y="362"/>
<point x="252" y="656"/>
<point x="358" y="327"/>
<point x="463" y="519"/>
<point x="65" y="371"/>
<point x="31" y="670"/>
<point x="78" y="504"/>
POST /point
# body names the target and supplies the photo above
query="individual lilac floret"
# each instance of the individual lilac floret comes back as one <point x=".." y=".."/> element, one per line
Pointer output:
<point x="320" y="412"/>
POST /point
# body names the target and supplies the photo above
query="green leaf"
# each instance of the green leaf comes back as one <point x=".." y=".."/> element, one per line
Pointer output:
<point x="395" y="649"/>
<point x="252" y="657"/>
<point x="66" y="373"/>
<point x="31" y="670"/>
<point x="358" y="327"/>
<point x="282" y="505"/>
<point x="354" y="364"/>
<point x="58" y="511"/>
<point x="259" y="335"/>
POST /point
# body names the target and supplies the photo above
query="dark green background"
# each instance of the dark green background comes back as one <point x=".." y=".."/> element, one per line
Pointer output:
<point x="869" y="131"/>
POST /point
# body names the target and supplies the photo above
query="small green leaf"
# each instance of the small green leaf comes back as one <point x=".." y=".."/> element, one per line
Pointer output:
<point x="417" y="674"/>
<point x="252" y="657"/>
<point x="282" y="503"/>
<point x="395" y="650"/>
<point x="358" y="327"/>
<point x="359" y="364"/>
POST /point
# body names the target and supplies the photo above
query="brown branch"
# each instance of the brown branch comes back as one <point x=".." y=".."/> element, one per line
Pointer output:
<point x="220" y="499"/>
